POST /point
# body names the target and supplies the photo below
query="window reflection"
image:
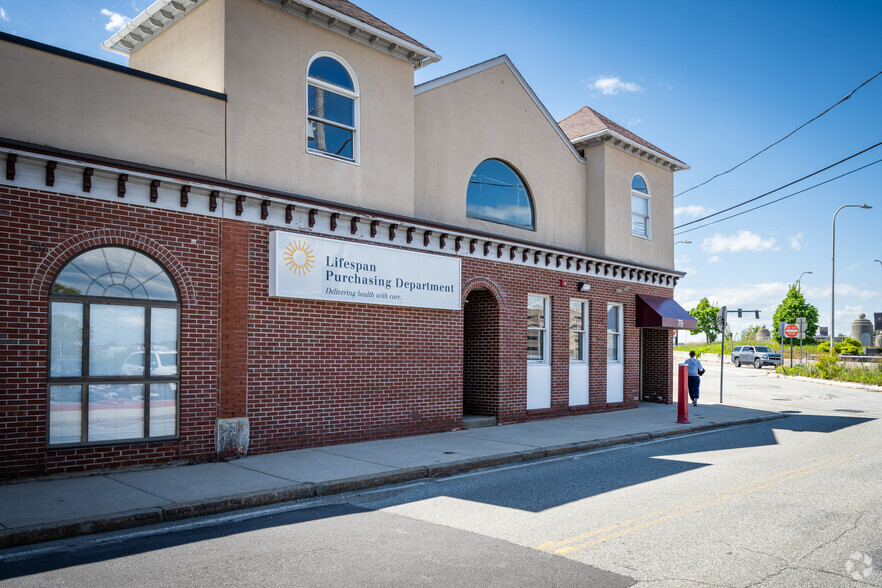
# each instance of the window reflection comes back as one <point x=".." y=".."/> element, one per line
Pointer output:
<point x="163" y="409"/>
<point x="640" y="225"/>
<point x="129" y="384"/>
<point x="114" y="272"/>
<point x="115" y="338"/>
<point x="65" y="413"/>
<point x="497" y="193"/>
<point x="331" y="109"/>
<point x="66" y="346"/>
<point x="536" y="327"/>
<point x="116" y="411"/>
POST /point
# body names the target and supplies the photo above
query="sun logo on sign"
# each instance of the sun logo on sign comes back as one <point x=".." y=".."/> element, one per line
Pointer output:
<point x="299" y="257"/>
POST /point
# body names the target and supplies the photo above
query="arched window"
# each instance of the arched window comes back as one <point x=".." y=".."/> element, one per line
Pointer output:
<point x="114" y="344"/>
<point x="640" y="208"/>
<point x="332" y="108"/>
<point x="497" y="193"/>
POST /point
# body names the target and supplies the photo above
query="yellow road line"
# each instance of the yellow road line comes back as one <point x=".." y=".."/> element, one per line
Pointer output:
<point x="697" y="504"/>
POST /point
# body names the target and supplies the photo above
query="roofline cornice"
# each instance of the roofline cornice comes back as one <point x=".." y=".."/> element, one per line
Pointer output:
<point x="490" y="63"/>
<point x="164" y="13"/>
<point x="108" y="180"/>
<point x="630" y="146"/>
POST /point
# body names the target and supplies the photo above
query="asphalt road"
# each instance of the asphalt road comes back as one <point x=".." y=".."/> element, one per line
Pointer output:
<point x="791" y="502"/>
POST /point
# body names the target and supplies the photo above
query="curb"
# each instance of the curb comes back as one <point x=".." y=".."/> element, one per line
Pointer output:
<point x="151" y="516"/>
<point x="838" y="383"/>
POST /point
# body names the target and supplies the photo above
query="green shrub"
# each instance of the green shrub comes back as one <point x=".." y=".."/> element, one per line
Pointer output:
<point x="849" y="347"/>
<point x="829" y="367"/>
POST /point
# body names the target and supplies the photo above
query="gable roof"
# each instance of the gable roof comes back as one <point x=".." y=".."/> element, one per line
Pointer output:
<point x="587" y="125"/>
<point x="356" y="12"/>
<point x="340" y="16"/>
<point x="501" y="60"/>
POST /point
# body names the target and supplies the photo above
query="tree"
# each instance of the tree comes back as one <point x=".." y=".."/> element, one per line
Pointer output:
<point x="706" y="316"/>
<point x="794" y="306"/>
<point x="749" y="334"/>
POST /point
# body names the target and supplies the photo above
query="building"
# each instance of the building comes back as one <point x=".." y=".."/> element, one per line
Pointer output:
<point x="261" y="236"/>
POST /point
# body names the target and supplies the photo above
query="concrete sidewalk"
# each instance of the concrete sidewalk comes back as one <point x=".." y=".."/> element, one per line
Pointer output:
<point x="45" y="510"/>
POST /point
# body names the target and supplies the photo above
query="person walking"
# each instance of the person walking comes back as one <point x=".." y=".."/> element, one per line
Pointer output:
<point x="695" y="372"/>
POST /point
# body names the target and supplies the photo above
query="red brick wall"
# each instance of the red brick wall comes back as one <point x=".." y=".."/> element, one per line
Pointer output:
<point x="41" y="231"/>
<point x="480" y="383"/>
<point x="306" y="373"/>
<point x="657" y="365"/>
<point x="322" y="373"/>
<point x="234" y="319"/>
<point x="514" y="283"/>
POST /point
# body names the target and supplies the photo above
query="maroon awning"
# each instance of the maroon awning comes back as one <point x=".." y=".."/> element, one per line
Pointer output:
<point x="656" y="312"/>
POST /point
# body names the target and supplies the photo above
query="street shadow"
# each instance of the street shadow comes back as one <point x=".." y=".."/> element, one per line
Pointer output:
<point x="531" y="487"/>
<point x="586" y="475"/>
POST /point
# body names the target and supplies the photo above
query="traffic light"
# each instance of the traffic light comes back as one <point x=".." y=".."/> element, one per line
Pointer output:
<point x="739" y="313"/>
<point x="757" y="315"/>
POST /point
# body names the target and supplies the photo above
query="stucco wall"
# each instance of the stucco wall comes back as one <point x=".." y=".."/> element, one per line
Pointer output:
<point x="266" y="116"/>
<point x="191" y="50"/>
<point x="53" y="100"/>
<point x="489" y="115"/>
<point x="619" y="168"/>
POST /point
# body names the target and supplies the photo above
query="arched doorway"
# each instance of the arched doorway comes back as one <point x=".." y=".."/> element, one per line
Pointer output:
<point x="480" y="381"/>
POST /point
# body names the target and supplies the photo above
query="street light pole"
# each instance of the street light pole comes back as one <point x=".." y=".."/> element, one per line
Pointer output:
<point x="799" y="281"/>
<point x="833" y="276"/>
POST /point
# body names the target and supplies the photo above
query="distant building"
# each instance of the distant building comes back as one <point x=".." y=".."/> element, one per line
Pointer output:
<point x="261" y="236"/>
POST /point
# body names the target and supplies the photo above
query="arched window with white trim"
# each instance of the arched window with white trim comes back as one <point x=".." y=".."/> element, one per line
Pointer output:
<point x="332" y="108"/>
<point x="497" y="193"/>
<point x="641" y="225"/>
<point x="114" y="344"/>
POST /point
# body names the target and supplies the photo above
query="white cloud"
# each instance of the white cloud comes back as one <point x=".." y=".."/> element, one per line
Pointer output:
<point x="4" y="15"/>
<point x="693" y="210"/>
<point x="713" y="259"/>
<point x="796" y="242"/>
<point x="741" y="241"/>
<point x="116" y="22"/>
<point x="633" y="122"/>
<point x="612" y="86"/>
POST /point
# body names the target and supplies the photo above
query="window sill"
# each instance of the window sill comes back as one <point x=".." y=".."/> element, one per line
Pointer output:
<point x="332" y="157"/>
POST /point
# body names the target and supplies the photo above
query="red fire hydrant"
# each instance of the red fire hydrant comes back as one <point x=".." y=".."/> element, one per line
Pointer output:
<point x="682" y="389"/>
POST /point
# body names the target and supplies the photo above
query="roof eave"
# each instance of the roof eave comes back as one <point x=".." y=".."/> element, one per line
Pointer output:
<point x="632" y="146"/>
<point x="163" y="13"/>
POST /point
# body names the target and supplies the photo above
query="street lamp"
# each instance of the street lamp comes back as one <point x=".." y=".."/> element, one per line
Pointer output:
<point x="800" y="280"/>
<point x="833" y="276"/>
<point x="880" y="262"/>
<point x="689" y="242"/>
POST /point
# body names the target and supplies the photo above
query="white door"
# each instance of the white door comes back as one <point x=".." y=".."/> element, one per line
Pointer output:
<point x="615" y="366"/>
<point x="579" y="381"/>
<point x="538" y="352"/>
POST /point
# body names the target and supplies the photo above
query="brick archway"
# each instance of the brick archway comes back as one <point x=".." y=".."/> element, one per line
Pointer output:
<point x="482" y="318"/>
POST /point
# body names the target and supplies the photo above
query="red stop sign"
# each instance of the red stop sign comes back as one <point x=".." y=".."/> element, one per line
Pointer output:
<point x="791" y="331"/>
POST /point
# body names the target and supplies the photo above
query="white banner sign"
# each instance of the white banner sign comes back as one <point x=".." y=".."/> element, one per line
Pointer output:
<point x="303" y="266"/>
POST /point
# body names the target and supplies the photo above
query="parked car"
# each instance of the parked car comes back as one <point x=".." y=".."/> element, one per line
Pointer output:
<point x="162" y="363"/>
<point x="757" y="355"/>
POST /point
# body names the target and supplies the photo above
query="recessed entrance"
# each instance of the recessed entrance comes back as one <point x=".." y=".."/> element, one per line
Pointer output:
<point x="480" y="379"/>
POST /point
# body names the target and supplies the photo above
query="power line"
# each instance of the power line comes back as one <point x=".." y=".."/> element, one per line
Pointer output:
<point x="779" y="199"/>
<point x="787" y="185"/>
<point x="849" y="95"/>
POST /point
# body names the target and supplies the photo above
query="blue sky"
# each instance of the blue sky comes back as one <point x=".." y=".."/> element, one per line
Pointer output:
<point x="710" y="82"/>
